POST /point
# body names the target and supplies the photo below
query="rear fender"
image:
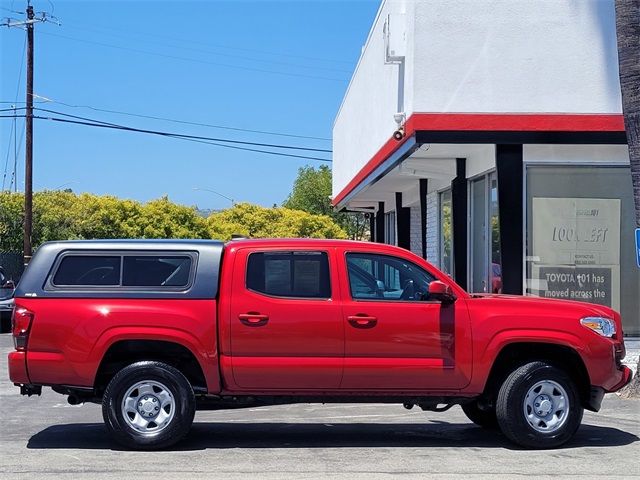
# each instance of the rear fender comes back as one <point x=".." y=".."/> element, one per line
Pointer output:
<point x="207" y="359"/>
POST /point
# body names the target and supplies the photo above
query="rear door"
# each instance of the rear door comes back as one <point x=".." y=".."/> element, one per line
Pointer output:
<point x="396" y="338"/>
<point x="286" y="329"/>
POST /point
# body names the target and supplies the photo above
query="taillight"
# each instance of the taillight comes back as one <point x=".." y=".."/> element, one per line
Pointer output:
<point x="22" y="319"/>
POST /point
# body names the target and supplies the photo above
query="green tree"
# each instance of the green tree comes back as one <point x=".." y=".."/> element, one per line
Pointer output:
<point x="259" y="222"/>
<point x="311" y="193"/>
<point x="11" y="222"/>
<point x="63" y="215"/>
<point x="164" y="219"/>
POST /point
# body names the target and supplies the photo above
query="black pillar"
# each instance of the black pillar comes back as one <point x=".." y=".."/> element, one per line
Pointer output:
<point x="380" y="223"/>
<point x="509" y="168"/>
<point x="459" y="213"/>
<point x="423" y="216"/>
<point x="403" y="223"/>
<point x="372" y="226"/>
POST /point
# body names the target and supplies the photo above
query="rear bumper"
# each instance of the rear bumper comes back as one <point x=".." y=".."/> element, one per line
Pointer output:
<point x="18" y="367"/>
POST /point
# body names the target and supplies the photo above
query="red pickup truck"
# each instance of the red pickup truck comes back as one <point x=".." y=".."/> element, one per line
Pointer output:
<point x="155" y="330"/>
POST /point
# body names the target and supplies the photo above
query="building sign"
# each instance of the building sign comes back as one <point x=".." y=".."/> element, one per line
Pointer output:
<point x="576" y="249"/>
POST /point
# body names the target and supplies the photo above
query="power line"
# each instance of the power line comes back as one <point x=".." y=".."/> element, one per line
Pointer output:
<point x="170" y="135"/>
<point x="197" y="137"/>
<point x="195" y="60"/>
<point x="221" y="54"/>
<point x="183" y="122"/>
<point x="191" y="41"/>
<point x="14" y="124"/>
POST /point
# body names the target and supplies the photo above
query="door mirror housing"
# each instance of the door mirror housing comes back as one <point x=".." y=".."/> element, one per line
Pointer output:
<point x="442" y="292"/>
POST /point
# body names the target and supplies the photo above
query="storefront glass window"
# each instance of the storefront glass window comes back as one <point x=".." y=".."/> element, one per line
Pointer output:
<point x="495" y="271"/>
<point x="446" y="236"/>
<point x="390" y="228"/>
<point x="580" y="237"/>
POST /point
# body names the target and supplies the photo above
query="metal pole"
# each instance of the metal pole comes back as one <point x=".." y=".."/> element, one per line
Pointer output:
<point x="28" y="171"/>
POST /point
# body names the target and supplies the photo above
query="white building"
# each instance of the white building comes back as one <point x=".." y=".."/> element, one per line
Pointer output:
<point x="512" y="174"/>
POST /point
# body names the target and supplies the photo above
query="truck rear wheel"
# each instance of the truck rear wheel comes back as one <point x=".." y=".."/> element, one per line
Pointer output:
<point x="538" y="406"/>
<point x="148" y="405"/>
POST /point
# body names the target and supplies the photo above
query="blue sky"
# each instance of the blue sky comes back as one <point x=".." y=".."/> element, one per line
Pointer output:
<point x="205" y="62"/>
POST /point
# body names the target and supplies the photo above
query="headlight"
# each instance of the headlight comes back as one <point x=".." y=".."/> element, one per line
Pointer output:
<point x="602" y="326"/>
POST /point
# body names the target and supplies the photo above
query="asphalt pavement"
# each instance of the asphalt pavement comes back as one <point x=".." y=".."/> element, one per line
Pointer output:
<point x="44" y="437"/>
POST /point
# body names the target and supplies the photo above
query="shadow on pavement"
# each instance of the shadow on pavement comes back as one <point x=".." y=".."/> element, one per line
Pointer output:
<point x="321" y="435"/>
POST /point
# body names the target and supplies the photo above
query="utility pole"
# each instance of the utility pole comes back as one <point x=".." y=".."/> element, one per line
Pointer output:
<point x="28" y="151"/>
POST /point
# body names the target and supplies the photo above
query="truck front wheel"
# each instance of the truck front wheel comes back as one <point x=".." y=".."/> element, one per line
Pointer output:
<point x="538" y="406"/>
<point x="148" y="405"/>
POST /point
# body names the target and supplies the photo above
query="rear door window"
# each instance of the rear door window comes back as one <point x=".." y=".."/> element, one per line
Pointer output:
<point x="289" y="274"/>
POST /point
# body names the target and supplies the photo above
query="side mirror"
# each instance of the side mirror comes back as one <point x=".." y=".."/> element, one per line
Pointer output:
<point x="10" y="284"/>
<point x="442" y="292"/>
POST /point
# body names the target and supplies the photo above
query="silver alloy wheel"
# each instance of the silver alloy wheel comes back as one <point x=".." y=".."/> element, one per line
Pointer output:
<point x="546" y="406"/>
<point x="148" y="407"/>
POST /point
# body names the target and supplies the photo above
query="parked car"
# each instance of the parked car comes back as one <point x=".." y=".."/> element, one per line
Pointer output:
<point x="154" y="330"/>
<point x="6" y="302"/>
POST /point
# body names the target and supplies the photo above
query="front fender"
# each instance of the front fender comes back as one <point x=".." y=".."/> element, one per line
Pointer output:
<point x="487" y="355"/>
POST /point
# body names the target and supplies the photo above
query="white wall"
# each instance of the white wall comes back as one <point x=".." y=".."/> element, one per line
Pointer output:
<point x="482" y="56"/>
<point x="516" y="56"/>
<point x="365" y="119"/>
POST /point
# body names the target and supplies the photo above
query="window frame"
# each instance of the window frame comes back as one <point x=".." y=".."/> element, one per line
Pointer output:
<point x="286" y="252"/>
<point x="49" y="284"/>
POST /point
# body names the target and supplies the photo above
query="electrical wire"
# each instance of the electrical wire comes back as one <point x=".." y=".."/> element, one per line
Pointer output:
<point x="14" y="124"/>
<point x="195" y="60"/>
<point x="221" y="54"/>
<point x="197" y="137"/>
<point x="183" y="122"/>
<point x="170" y="135"/>
<point x="191" y="41"/>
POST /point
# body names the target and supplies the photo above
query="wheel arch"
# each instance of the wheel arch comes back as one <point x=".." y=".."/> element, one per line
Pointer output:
<point x="127" y="351"/>
<point x="516" y="354"/>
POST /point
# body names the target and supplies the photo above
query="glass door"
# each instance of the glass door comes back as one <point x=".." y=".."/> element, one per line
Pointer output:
<point x="478" y="236"/>
<point x="485" y="270"/>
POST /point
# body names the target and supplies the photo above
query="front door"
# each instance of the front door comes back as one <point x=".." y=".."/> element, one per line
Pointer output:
<point x="395" y="337"/>
<point x="286" y="330"/>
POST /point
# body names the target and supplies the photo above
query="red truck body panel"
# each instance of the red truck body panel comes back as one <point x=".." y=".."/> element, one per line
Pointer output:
<point x="247" y="342"/>
<point x="69" y="337"/>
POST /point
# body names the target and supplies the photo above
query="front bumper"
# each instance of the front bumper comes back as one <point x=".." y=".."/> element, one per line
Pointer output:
<point x="596" y="394"/>
<point x="627" y="375"/>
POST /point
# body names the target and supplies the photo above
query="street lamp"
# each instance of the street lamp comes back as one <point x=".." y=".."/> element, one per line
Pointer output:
<point x="217" y="193"/>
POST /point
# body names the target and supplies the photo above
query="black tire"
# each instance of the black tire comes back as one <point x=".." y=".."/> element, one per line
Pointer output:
<point x="536" y="388"/>
<point x="167" y="387"/>
<point x="481" y="417"/>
